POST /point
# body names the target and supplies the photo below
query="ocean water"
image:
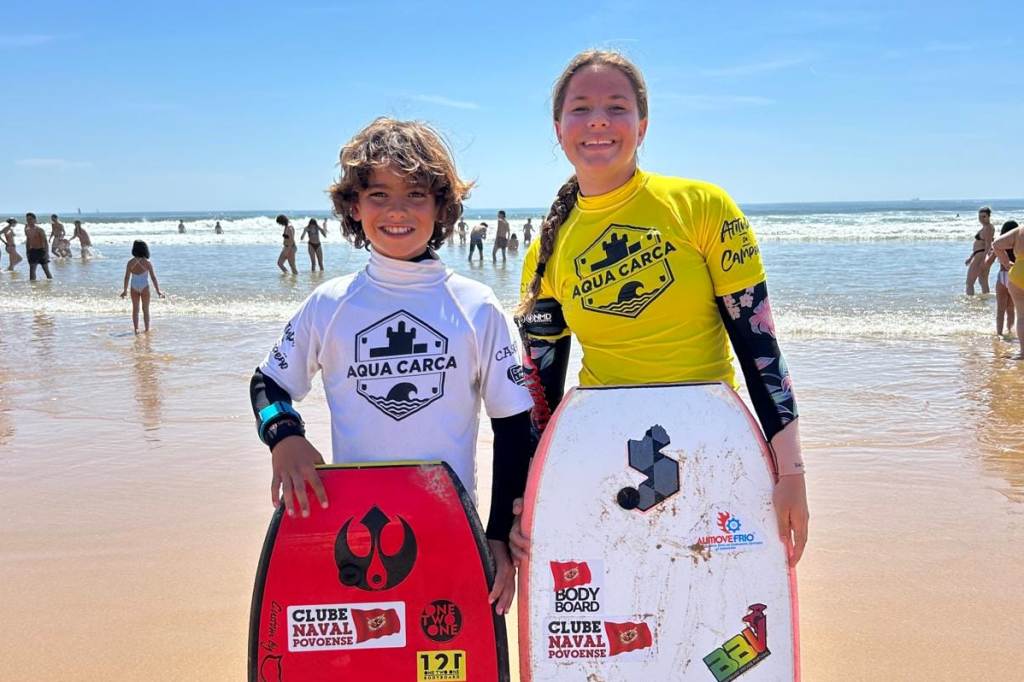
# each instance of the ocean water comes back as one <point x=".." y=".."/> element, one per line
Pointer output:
<point x="869" y="270"/>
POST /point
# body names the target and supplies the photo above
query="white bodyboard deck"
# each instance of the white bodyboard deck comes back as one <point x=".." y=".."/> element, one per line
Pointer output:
<point x="655" y="550"/>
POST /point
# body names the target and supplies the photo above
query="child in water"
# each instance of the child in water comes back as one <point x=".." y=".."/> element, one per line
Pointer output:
<point x="137" y="273"/>
<point x="399" y="196"/>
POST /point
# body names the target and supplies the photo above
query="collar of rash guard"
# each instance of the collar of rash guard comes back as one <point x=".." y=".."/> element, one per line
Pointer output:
<point x="616" y="197"/>
<point x="394" y="272"/>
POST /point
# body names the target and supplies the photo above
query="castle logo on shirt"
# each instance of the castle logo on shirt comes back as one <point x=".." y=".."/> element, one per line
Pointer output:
<point x="400" y="365"/>
<point x="623" y="271"/>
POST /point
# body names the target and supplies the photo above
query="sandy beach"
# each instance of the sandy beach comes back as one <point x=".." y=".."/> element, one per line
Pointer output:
<point x="136" y="500"/>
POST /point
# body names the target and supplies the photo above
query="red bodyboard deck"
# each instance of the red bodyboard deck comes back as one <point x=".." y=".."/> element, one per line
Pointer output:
<point x="390" y="583"/>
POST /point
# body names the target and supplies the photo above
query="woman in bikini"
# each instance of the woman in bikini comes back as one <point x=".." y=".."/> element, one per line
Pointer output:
<point x="288" y="248"/>
<point x="1012" y="243"/>
<point x="316" y="249"/>
<point x="7" y="235"/>
<point x="976" y="262"/>
<point x="1004" y="302"/>
<point x="137" y="273"/>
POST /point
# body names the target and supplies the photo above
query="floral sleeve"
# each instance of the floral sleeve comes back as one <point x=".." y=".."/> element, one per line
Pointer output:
<point x="747" y="315"/>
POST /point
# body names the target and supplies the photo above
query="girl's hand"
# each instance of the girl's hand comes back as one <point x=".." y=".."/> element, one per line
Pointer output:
<point x="504" y="579"/>
<point x="518" y="543"/>
<point x="124" y="293"/>
<point x="790" y="497"/>
<point x="294" y="462"/>
<point x="160" y="294"/>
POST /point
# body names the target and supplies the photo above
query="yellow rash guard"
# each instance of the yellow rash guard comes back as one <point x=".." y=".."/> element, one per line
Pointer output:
<point x="636" y="272"/>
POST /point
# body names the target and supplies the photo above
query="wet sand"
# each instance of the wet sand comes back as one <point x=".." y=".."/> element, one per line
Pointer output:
<point x="136" y="497"/>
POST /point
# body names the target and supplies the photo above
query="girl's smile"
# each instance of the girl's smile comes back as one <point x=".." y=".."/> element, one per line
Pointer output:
<point x="600" y="128"/>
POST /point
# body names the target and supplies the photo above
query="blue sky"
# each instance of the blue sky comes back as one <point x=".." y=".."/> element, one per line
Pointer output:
<point x="140" y="106"/>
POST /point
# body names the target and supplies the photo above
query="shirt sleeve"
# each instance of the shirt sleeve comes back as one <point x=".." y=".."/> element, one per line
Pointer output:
<point x="546" y="322"/>
<point x="728" y="244"/>
<point x="294" y="360"/>
<point x="501" y="375"/>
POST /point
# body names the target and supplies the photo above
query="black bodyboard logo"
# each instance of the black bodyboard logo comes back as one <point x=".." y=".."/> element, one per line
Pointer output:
<point x="375" y="569"/>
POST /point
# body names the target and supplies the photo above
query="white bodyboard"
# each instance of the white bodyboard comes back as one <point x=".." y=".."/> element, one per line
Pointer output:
<point x="655" y="550"/>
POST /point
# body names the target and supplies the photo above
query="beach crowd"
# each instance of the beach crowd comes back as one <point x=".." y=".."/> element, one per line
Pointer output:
<point x="989" y="247"/>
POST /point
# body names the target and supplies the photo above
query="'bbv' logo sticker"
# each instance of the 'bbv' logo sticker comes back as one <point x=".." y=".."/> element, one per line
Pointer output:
<point x="623" y="271"/>
<point x="577" y="586"/>
<point x="742" y="652"/>
<point x="327" y="627"/>
<point x="401" y="363"/>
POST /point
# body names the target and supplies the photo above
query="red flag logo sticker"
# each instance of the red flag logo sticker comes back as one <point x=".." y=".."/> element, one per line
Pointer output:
<point x="570" y="574"/>
<point x="625" y="637"/>
<point x="375" y="623"/>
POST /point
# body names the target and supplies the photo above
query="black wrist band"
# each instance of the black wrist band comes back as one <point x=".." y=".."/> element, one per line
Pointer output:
<point x="285" y="428"/>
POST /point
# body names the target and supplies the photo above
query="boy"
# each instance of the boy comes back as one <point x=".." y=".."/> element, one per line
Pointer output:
<point x="407" y="349"/>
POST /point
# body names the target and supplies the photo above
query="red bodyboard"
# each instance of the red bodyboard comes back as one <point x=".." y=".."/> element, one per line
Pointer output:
<point x="388" y="583"/>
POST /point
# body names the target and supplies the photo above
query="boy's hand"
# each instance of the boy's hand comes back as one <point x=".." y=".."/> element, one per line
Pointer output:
<point x="294" y="461"/>
<point x="504" y="579"/>
<point x="518" y="543"/>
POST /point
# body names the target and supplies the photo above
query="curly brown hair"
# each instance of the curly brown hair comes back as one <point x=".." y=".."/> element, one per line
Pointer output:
<point x="409" y="147"/>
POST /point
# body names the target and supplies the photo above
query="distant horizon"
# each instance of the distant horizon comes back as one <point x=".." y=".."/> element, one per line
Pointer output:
<point x="911" y="203"/>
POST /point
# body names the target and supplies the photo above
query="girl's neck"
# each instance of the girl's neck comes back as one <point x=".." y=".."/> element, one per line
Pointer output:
<point x="597" y="185"/>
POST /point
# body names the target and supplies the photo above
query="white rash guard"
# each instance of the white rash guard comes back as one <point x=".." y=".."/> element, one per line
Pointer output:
<point x="407" y="351"/>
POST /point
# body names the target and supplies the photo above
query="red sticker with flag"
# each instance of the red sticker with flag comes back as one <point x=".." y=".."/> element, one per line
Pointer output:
<point x="375" y="623"/>
<point x="625" y="637"/>
<point x="570" y="574"/>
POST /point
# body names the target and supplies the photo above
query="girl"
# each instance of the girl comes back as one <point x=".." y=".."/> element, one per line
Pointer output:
<point x="977" y="263"/>
<point x="7" y="235"/>
<point x="370" y="332"/>
<point x="706" y="286"/>
<point x="138" y="271"/>
<point x="316" y="249"/>
<point x="1013" y="242"/>
<point x="288" y="248"/>
<point x="1004" y="303"/>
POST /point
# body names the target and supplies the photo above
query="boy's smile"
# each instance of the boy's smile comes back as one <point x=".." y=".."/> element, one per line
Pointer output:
<point x="398" y="215"/>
